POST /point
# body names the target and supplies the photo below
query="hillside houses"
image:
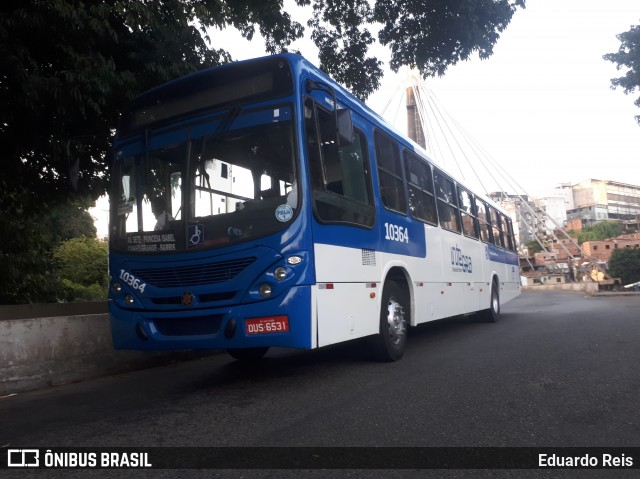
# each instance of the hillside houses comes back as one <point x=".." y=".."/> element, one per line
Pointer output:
<point x="573" y="208"/>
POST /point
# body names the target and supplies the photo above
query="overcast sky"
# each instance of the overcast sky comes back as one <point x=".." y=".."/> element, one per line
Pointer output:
<point x="541" y="106"/>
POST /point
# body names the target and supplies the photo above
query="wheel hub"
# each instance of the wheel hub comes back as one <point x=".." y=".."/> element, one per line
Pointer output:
<point x="395" y="318"/>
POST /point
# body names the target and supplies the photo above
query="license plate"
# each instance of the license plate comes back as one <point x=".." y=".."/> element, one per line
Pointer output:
<point x="269" y="325"/>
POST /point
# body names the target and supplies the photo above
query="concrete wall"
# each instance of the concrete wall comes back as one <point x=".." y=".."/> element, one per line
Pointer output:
<point x="61" y="348"/>
<point x="49" y="345"/>
<point x="590" y="288"/>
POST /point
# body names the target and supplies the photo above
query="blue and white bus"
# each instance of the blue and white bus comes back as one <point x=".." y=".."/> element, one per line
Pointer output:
<point x="259" y="204"/>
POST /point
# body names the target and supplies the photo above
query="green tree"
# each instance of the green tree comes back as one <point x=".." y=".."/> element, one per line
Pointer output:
<point x="600" y="231"/>
<point x="81" y="269"/>
<point x="69" y="67"/>
<point x="533" y="247"/>
<point x="628" y="56"/>
<point x="25" y="248"/>
<point x="607" y="229"/>
<point x="27" y="241"/>
<point x="71" y="219"/>
<point x="625" y="264"/>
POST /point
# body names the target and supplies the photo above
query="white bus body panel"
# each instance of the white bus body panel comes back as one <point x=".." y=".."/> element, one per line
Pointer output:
<point x="346" y="277"/>
<point x="454" y="278"/>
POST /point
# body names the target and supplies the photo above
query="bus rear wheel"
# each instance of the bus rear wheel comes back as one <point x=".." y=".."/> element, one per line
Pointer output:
<point x="391" y="341"/>
<point x="248" y="354"/>
<point x="492" y="314"/>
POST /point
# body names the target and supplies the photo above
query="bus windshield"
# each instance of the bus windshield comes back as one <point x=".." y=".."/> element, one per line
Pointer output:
<point x="206" y="185"/>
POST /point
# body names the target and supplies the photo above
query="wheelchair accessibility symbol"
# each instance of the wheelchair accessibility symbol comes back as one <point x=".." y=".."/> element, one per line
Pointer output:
<point x="196" y="235"/>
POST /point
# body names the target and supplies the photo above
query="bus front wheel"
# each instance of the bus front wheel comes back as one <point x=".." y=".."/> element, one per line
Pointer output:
<point x="391" y="341"/>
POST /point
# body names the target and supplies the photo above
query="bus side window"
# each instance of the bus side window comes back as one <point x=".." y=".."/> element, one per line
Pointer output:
<point x="422" y="203"/>
<point x="340" y="176"/>
<point x="390" y="174"/>
<point x="313" y="146"/>
<point x="508" y="234"/>
<point x="468" y="212"/>
<point x="496" y="226"/>
<point x="483" y="221"/>
<point x="503" y="235"/>
<point x="355" y="170"/>
<point x="447" y="203"/>
<point x="514" y="243"/>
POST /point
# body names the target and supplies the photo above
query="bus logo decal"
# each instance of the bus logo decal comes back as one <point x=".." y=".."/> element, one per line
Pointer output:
<point x="284" y="213"/>
<point x="460" y="262"/>
<point x="187" y="298"/>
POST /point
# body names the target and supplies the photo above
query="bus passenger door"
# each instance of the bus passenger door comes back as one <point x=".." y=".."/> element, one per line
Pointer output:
<point x="346" y="264"/>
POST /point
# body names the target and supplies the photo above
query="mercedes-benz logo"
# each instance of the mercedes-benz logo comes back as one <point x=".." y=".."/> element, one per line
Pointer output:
<point x="187" y="298"/>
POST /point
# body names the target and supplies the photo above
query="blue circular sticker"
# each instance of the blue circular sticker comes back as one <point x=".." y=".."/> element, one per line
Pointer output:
<point x="284" y="213"/>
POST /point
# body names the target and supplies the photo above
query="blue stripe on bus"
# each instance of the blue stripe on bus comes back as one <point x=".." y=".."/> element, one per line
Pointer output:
<point x="499" y="255"/>
<point x="392" y="233"/>
<point x="376" y="239"/>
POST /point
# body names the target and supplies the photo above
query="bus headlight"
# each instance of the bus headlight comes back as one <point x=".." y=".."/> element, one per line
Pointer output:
<point x="128" y="300"/>
<point x="265" y="290"/>
<point x="116" y="288"/>
<point x="280" y="273"/>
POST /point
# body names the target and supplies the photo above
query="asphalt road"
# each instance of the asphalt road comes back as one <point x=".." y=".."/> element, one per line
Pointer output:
<point x="558" y="369"/>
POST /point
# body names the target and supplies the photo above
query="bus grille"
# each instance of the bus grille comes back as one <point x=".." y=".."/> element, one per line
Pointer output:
<point x="188" y="326"/>
<point x="193" y="275"/>
<point x="203" y="298"/>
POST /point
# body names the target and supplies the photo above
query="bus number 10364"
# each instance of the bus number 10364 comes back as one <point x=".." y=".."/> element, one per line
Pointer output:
<point x="396" y="233"/>
<point x="132" y="281"/>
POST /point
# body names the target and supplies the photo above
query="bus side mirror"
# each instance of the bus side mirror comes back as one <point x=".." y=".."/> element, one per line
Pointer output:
<point x="344" y="127"/>
<point x="342" y="118"/>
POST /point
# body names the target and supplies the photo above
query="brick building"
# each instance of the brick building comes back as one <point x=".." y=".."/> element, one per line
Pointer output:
<point x="565" y="249"/>
<point x="602" y="250"/>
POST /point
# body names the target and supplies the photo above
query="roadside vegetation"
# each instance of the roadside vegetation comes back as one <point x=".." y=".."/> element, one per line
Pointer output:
<point x="625" y="264"/>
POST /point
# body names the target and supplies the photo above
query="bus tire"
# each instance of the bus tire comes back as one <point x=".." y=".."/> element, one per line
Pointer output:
<point x="391" y="341"/>
<point x="248" y="354"/>
<point x="492" y="314"/>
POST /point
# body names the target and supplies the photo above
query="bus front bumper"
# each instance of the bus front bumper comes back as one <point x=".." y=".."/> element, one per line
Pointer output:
<point x="229" y="327"/>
